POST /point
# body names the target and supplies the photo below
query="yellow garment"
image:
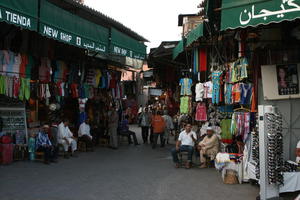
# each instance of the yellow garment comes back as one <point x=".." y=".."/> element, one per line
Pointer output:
<point x="98" y="77"/>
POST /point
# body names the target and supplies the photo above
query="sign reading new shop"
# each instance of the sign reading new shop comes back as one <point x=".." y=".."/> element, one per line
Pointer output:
<point x="128" y="53"/>
<point x="18" y="19"/>
<point x="71" y="39"/>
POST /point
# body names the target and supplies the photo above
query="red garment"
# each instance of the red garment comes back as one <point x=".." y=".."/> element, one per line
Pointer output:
<point x="17" y="85"/>
<point x="24" y="62"/>
<point x="201" y="112"/>
<point x="74" y="90"/>
<point x="202" y="60"/>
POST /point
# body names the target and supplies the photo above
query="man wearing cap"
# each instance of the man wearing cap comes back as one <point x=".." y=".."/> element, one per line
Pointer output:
<point x="185" y="142"/>
<point x="44" y="144"/>
<point x="208" y="147"/>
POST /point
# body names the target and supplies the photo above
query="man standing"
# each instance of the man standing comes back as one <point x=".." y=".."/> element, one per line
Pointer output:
<point x="185" y="142"/>
<point x="66" y="138"/>
<point x="113" y="120"/>
<point x="208" y="147"/>
<point x="84" y="134"/>
<point x="158" y="124"/>
<point x="169" y="126"/>
<point x="145" y="122"/>
<point x="44" y="144"/>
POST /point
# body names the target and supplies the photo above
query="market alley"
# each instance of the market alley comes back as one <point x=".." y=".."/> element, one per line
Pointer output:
<point x="128" y="173"/>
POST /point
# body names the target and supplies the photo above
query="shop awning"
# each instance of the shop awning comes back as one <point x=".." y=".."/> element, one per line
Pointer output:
<point x="243" y="13"/>
<point x="194" y="34"/>
<point x="19" y="12"/>
<point x="124" y="45"/>
<point x="61" y="25"/>
<point x="179" y="48"/>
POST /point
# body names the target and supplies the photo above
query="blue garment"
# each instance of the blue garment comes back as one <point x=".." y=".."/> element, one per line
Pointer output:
<point x="228" y="93"/>
<point x="246" y="93"/>
<point x="124" y="125"/>
<point x="186" y="84"/>
<point x="216" y="81"/>
<point x="182" y="148"/>
<point x="42" y="140"/>
<point x="82" y="117"/>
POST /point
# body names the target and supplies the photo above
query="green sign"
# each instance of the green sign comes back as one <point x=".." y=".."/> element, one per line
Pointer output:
<point x="126" y="52"/>
<point x="245" y="13"/>
<point x="16" y="18"/>
<point x="71" y="39"/>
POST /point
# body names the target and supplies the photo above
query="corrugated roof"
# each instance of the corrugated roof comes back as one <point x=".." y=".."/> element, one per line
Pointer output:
<point x="96" y="17"/>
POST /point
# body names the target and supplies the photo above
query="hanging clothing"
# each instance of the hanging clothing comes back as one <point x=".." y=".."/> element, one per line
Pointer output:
<point x="226" y="135"/>
<point x="203" y="60"/>
<point x="186" y="84"/>
<point x="236" y="93"/>
<point x="199" y="90"/>
<point x="208" y="90"/>
<point x="246" y="93"/>
<point x="216" y="80"/>
<point x="228" y="93"/>
<point x="201" y="112"/>
<point x="184" y="105"/>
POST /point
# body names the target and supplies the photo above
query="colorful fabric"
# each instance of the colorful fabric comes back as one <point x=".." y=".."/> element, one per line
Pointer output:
<point x="186" y="84"/>
<point x="226" y="135"/>
<point x="42" y="140"/>
<point x="208" y="90"/>
<point x="184" y="105"/>
<point x="246" y="93"/>
<point x="228" y="93"/>
<point x="216" y="81"/>
<point x="201" y="112"/>
<point x="203" y="60"/>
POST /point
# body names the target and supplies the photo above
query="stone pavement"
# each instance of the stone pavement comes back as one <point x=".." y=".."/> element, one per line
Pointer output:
<point x="129" y="173"/>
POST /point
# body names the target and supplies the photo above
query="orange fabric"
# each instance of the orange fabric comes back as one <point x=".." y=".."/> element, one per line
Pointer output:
<point x="158" y="124"/>
<point x="236" y="93"/>
<point x="24" y="62"/>
<point x="253" y="102"/>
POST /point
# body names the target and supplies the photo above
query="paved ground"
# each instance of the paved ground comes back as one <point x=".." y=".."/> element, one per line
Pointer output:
<point x="130" y="173"/>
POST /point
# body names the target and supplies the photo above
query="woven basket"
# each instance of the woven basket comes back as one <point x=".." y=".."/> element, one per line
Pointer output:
<point x="230" y="177"/>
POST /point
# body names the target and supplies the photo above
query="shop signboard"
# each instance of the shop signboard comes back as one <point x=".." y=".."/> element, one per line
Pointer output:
<point x="70" y="38"/>
<point x="126" y="52"/>
<point x="245" y="13"/>
<point x="13" y="17"/>
<point x="287" y="78"/>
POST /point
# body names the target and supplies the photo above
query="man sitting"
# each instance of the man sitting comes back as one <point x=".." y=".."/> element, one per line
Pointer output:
<point x="124" y="130"/>
<point x="66" y="138"/>
<point x="44" y="144"/>
<point x="208" y="147"/>
<point x="185" y="142"/>
<point x="84" y="134"/>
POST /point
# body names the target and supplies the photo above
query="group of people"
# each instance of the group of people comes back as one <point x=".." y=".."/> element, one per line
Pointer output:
<point x="49" y="139"/>
<point x="187" y="141"/>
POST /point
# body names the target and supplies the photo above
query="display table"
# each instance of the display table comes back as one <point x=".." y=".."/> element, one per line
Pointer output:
<point x="291" y="182"/>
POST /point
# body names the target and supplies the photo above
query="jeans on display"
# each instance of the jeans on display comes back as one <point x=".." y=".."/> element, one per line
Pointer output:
<point x="182" y="148"/>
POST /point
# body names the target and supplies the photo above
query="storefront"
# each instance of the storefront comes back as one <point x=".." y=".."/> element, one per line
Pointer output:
<point x="54" y="65"/>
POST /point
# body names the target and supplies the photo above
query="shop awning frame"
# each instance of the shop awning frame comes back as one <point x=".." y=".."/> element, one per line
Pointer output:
<point x="245" y="13"/>
<point x="122" y="44"/>
<point x="195" y="34"/>
<point x="20" y="13"/>
<point x="61" y="25"/>
<point x="179" y="48"/>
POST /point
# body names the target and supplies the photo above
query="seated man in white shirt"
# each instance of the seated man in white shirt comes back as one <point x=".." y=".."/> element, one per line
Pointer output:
<point x="298" y="153"/>
<point x="66" y="138"/>
<point x="84" y="134"/>
<point x="186" y="142"/>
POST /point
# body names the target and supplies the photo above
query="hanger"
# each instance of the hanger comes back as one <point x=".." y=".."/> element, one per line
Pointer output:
<point x="242" y="108"/>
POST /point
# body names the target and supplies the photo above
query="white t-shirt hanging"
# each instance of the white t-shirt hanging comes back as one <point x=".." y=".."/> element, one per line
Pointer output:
<point x="16" y="65"/>
<point x="199" y="89"/>
<point x="82" y="103"/>
<point x="208" y="90"/>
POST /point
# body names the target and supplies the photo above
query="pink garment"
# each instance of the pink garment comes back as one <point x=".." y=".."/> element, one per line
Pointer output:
<point x="201" y="112"/>
<point x="246" y="125"/>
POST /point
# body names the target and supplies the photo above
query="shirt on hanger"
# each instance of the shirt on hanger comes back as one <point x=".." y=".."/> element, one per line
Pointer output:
<point x="186" y="84"/>
<point x="199" y="91"/>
